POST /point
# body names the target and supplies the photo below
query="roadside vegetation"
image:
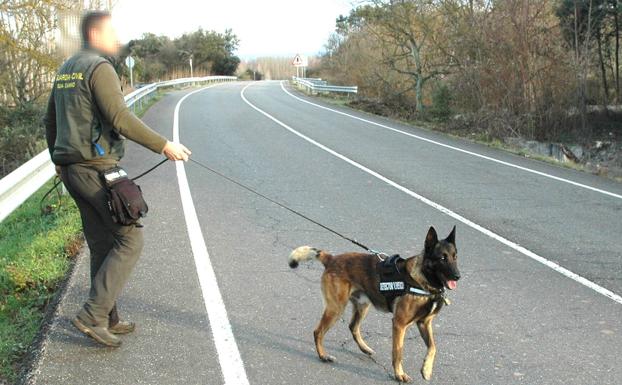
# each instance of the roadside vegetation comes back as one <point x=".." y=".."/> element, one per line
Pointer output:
<point x="507" y="71"/>
<point x="141" y="110"/>
<point x="432" y="125"/>
<point x="36" y="251"/>
<point x="21" y="135"/>
<point x="161" y="58"/>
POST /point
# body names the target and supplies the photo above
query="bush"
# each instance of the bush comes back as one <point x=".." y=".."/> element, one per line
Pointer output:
<point x="249" y="74"/>
<point x="22" y="135"/>
<point x="441" y="102"/>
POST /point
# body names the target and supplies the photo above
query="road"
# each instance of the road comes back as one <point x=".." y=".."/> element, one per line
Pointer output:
<point x="524" y="227"/>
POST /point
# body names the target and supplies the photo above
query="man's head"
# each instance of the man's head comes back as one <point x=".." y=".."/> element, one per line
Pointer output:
<point x="97" y="32"/>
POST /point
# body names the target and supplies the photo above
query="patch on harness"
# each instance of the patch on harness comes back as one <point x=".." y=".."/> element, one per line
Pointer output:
<point x="389" y="286"/>
<point x="393" y="282"/>
<point x="391" y="279"/>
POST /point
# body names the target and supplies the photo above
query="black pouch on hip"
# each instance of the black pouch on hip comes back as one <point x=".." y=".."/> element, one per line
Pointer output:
<point x="125" y="198"/>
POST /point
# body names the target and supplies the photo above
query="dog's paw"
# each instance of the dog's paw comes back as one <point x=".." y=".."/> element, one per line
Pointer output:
<point x="328" y="358"/>
<point x="426" y="372"/>
<point x="403" y="377"/>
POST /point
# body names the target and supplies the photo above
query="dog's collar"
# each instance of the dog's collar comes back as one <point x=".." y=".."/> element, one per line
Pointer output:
<point x="440" y="296"/>
<point x="419" y="291"/>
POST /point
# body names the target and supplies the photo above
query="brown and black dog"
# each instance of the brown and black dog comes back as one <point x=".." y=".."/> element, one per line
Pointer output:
<point x="355" y="277"/>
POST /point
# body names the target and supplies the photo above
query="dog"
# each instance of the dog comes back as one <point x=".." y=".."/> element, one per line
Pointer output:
<point x="417" y="298"/>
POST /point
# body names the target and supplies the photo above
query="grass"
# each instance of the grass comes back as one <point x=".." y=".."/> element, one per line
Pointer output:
<point x="35" y="255"/>
<point x="140" y="111"/>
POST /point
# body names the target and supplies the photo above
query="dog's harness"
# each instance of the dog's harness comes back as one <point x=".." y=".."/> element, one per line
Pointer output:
<point x="394" y="283"/>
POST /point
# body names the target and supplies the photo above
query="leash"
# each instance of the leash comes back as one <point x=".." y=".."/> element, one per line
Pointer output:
<point x="48" y="209"/>
<point x="380" y="255"/>
<point x="151" y="169"/>
<point x="354" y="241"/>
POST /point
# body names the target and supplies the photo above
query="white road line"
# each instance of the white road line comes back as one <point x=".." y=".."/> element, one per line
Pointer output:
<point x="457" y="148"/>
<point x="229" y="357"/>
<point x="562" y="270"/>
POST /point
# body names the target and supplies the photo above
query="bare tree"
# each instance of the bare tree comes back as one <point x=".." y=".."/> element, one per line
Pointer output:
<point x="409" y="33"/>
<point x="27" y="49"/>
<point x="617" y="10"/>
<point x="581" y="56"/>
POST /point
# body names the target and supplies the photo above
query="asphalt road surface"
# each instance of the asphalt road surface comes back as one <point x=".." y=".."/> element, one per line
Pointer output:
<point x="540" y="253"/>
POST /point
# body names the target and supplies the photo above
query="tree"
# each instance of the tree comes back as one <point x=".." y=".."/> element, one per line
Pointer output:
<point x="27" y="51"/>
<point x="211" y="50"/>
<point x="501" y="65"/>
<point x="410" y="35"/>
<point x="159" y="56"/>
<point x="581" y="20"/>
<point x="617" y="11"/>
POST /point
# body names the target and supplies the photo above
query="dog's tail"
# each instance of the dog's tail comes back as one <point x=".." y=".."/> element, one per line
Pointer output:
<point x="305" y="253"/>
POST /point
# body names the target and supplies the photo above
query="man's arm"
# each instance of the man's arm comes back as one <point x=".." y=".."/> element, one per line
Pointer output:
<point x="49" y="120"/>
<point x="109" y="98"/>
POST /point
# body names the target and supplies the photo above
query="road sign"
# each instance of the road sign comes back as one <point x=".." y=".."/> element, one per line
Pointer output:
<point x="298" y="62"/>
<point x="129" y="62"/>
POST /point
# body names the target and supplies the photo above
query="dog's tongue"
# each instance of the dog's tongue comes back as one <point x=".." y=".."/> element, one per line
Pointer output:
<point x="451" y="284"/>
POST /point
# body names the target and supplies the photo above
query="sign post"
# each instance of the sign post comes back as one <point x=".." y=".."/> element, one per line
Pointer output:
<point x="129" y="61"/>
<point x="301" y="64"/>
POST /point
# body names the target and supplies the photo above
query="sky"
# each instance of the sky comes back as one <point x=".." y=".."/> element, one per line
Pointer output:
<point x="264" y="27"/>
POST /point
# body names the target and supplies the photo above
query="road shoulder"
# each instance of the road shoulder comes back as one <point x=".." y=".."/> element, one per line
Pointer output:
<point x="172" y="343"/>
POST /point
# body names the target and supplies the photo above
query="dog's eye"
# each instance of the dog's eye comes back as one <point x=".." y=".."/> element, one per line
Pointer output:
<point x="444" y="257"/>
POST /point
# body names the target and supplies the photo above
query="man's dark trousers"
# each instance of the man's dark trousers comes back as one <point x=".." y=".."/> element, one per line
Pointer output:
<point x="114" y="248"/>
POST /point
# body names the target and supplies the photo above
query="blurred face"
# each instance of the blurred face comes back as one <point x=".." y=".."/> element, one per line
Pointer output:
<point x="103" y="37"/>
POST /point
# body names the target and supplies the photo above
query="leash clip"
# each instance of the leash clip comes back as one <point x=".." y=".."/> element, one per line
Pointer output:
<point x="381" y="256"/>
<point x="445" y="299"/>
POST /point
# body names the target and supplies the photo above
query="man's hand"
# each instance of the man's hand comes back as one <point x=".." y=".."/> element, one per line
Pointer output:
<point x="176" y="151"/>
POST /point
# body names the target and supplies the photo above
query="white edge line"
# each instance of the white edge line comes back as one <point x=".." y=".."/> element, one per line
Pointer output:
<point x="229" y="357"/>
<point x="562" y="270"/>
<point x="457" y="148"/>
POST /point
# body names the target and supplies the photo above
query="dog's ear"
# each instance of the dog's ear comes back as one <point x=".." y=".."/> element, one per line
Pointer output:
<point x="451" y="238"/>
<point x="430" y="240"/>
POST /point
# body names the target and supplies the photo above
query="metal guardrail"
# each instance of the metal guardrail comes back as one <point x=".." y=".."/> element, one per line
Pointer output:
<point x="137" y="97"/>
<point x="20" y="184"/>
<point x="316" y="85"/>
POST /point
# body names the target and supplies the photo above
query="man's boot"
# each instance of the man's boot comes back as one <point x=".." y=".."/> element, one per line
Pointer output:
<point x="98" y="333"/>
<point x="116" y="326"/>
<point x="122" y="327"/>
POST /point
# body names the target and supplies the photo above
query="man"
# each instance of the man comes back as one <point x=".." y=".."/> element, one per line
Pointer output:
<point x="86" y="123"/>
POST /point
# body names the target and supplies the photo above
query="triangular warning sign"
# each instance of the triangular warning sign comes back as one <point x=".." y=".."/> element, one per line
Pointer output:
<point x="297" y="61"/>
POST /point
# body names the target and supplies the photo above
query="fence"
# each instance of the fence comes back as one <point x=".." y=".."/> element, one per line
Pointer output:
<point x="19" y="185"/>
<point x="316" y="85"/>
